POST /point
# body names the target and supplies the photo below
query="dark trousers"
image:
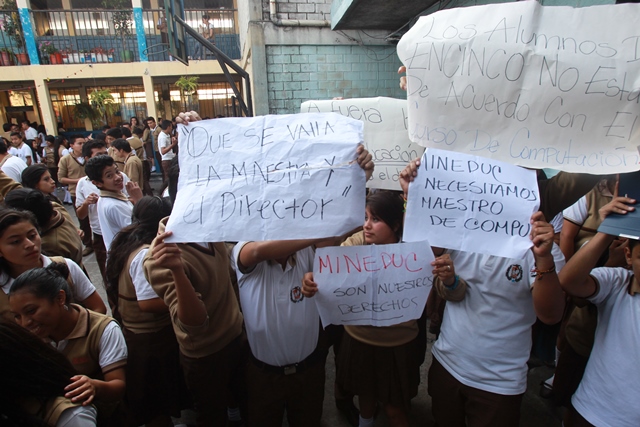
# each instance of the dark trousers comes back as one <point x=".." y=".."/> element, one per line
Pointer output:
<point x="456" y="405"/>
<point x="572" y="418"/>
<point x="301" y="394"/>
<point x="101" y="255"/>
<point x="213" y="379"/>
<point x="85" y="226"/>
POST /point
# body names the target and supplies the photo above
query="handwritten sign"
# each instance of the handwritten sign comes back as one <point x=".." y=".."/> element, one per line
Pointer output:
<point x="472" y="204"/>
<point x="379" y="285"/>
<point x="555" y="87"/>
<point x="385" y="134"/>
<point x="270" y="177"/>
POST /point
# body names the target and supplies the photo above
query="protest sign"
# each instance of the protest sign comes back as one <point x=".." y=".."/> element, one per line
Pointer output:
<point x="555" y="87"/>
<point x="472" y="204"/>
<point x="270" y="177"/>
<point x="379" y="285"/>
<point x="385" y="134"/>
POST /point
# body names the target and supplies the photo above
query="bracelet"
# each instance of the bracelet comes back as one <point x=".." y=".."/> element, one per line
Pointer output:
<point x="455" y="283"/>
<point x="540" y="274"/>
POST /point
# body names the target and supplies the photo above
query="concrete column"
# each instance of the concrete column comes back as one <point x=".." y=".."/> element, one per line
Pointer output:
<point x="147" y="81"/>
<point x="71" y="29"/>
<point x="140" y="32"/>
<point x="84" y="98"/>
<point x="24" y="11"/>
<point x="48" y="116"/>
<point x="259" y="70"/>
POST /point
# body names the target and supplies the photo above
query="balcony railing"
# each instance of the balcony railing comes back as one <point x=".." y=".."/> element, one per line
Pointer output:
<point x="89" y="35"/>
<point x="12" y="43"/>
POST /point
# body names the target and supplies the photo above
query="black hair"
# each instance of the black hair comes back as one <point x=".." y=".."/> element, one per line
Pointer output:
<point x="101" y="137"/>
<point x="126" y="132"/>
<point x="114" y="133"/>
<point x="8" y="218"/>
<point x="15" y="134"/>
<point x="26" y="121"/>
<point x="149" y="118"/>
<point x="72" y="138"/>
<point x="6" y="127"/>
<point x="34" y="201"/>
<point x="121" y="144"/>
<point x="138" y="131"/>
<point x="44" y="282"/>
<point x="166" y="124"/>
<point x="51" y="139"/>
<point x="31" y="175"/>
<point x="96" y="165"/>
<point x="34" y="371"/>
<point x="145" y="218"/>
<point x="3" y="147"/>
<point x="91" y="145"/>
<point x="388" y="206"/>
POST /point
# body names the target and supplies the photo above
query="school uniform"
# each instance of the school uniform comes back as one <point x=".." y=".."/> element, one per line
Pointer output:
<point x="13" y="167"/>
<point x="61" y="412"/>
<point x="287" y="369"/>
<point x="164" y="141"/>
<point x="117" y="158"/>
<point x="133" y="169"/>
<point x="137" y="146"/>
<point x="7" y="184"/>
<point x="114" y="213"/>
<point x="24" y="152"/>
<point x="73" y="168"/>
<point x="155" y="384"/>
<point x="211" y="353"/>
<point x="60" y="237"/>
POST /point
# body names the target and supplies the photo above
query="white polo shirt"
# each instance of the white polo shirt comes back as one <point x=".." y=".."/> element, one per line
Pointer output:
<point x="13" y="167"/>
<point x="114" y="215"/>
<point x="164" y="141"/>
<point x="23" y="152"/>
<point x="30" y="133"/>
<point x="282" y="325"/>
<point x="485" y="339"/>
<point x="83" y="190"/>
<point x="607" y="394"/>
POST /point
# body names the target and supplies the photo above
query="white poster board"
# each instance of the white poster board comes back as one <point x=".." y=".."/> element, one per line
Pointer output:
<point x="472" y="204"/>
<point x="379" y="285"/>
<point x="385" y="134"/>
<point x="269" y="177"/>
<point x="543" y="87"/>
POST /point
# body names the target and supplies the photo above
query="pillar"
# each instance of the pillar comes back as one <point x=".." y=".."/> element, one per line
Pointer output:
<point x="140" y="32"/>
<point x="24" y="10"/>
<point x="48" y="116"/>
<point x="147" y="81"/>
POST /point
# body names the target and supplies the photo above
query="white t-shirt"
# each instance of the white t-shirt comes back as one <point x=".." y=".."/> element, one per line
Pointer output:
<point x="13" y="167"/>
<point x="164" y="141"/>
<point x="30" y="133"/>
<point x="282" y="326"/>
<point x="578" y="212"/>
<point x="82" y="286"/>
<point x="556" y="222"/>
<point x="485" y="339"/>
<point x="23" y="152"/>
<point x="83" y="190"/>
<point x="607" y="394"/>
<point x="144" y="292"/>
<point x="114" y="215"/>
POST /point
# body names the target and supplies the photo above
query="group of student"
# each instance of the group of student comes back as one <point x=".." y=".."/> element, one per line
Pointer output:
<point x="232" y="330"/>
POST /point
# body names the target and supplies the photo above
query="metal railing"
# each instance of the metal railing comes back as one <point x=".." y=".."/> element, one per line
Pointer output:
<point x="89" y="35"/>
<point x="12" y="43"/>
<point x="225" y="32"/>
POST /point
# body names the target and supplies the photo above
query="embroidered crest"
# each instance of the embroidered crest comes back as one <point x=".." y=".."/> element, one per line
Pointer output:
<point x="514" y="273"/>
<point x="296" y="294"/>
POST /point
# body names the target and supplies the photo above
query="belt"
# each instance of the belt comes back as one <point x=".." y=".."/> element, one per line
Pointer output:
<point x="295" y="368"/>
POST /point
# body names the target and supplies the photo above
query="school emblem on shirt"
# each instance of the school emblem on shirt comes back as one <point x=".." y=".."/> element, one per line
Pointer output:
<point x="296" y="294"/>
<point x="514" y="273"/>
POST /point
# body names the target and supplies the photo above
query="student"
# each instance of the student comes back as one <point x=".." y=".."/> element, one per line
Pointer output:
<point x="155" y="388"/>
<point x="50" y="157"/>
<point x="37" y="375"/>
<point x="39" y="178"/>
<point x="40" y="300"/>
<point x="87" y="195"/>
<point x="70" y="171"/>
<point x="20" y="251"/>
<point x="207" y="29"/>
<point x="166" y="143"/>
<point x="134" y="123"/>
<point x="29" y="132"/>
<point x="606" y="394"/>
<point x="11" y="165"/>
<point x="58" y="234"/>
<point x="135" y="140"/>
<point x="20" y="149"/>
<point x="111" y="135"/>
<point x="132" y="163"/>
<point x="155" y="130"/>
<point x="113" y="206"/>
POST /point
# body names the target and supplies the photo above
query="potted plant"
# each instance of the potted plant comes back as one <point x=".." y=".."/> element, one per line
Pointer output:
<point x="84" y="110"/>
<point x="110" y="53"/>
<point x="6" y="56"/>
<point x="13" y="28"/>
<point x="48" y="49"/>
<point x="103" y="103"/>
<point x="122" y="20"/>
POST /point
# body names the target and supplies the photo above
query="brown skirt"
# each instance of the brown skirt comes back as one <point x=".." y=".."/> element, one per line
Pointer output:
<point x="155" y="384"/>
<point x="391" y="375"/>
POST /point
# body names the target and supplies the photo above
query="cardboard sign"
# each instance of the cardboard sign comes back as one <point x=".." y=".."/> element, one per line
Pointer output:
<point x="379" y="285"/>
<point x="472" y="204"/>
<point x="268" y="178"/>
<point x="385" y="134"/>
<point x="542" y="87"/>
